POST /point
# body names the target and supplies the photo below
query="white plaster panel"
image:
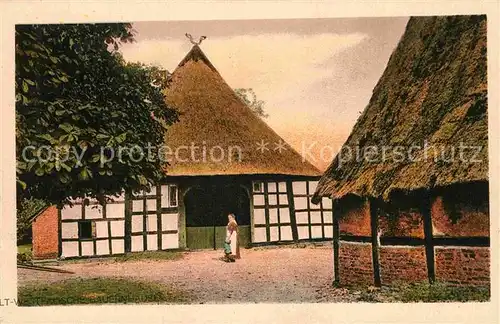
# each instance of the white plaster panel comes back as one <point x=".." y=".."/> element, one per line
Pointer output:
<point x="170" y="241"/>
<point x="137" y="206"/>
<point x="137" y="243"/>
<point x="115" y="210"/>
<point x="118" y="246"/>
<point x="74" y="212"/>
<point x="151" y="204"/>
<point x="316" y="217"/>
<point x="327" y="217"/>
<point x="152" y="242"/>
<point x="69" y="230"/>
<point x="118" y="228"/>
<point x="152" y="223"/>
<point x="271" y="187"/>
<point x="316" y="232"/>
<point x="274" y="233"/>
<point x="258" y="200"/>
<point x="272" y="199"/>
<point x="164" y="196"/>
<point x="102" y="247"/>
<point x="300" y="202"/>
<point x="329" y="231"/>
<point x="301" y="218"/>
<point x="69" y="249"/>
<point x="93" y="212"/>
<point x="260" y="234"/>
<point x="312" y="186"/>
<point x="273" y="216"/>
<point x="101" y="229"/>
<point x="169" y="222"/>
<point x="284" y="215"/>
<point x="299" y="187"/>
<point x="137" y="225"/>
<point x="282" y="186"/>
<point x="259" y="216"/>
<point x="303" y="232"/>
<point x="286" y="233"/>
<point x="283" y="200"/>
<point x="87" y="248"/>
<point x="327" y="203"/>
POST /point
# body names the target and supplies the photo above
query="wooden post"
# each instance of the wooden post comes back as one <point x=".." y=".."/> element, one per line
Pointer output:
<point x="128" y="221"/>
<point x="336" y="246"/>
<point x="59" y="232"/>
<point x="291" y="206"/>
<point x="429" y="244"/>
<point x="374" y="240"/>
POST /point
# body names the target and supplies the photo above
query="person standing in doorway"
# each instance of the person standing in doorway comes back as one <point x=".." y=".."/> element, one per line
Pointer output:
<point x="231" y="246"/>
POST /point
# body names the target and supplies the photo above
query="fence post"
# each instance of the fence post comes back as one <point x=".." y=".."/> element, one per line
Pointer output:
<point x="373" y="205"/>
<point x="336" y="246"/>
<point x="429" y="244"/>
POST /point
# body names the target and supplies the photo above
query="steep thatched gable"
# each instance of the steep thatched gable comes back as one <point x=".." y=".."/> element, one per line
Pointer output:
<point x="433" y="97"/>
<point x="212" y="115"/>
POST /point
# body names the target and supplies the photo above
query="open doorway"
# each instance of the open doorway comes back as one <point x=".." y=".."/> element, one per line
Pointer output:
<point x="207" y="208"/>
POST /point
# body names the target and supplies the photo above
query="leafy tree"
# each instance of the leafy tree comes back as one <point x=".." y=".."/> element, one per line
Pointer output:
<point x="250" y="99"/>
<point x="26" y="210"/>
<point x="76" y="96"/>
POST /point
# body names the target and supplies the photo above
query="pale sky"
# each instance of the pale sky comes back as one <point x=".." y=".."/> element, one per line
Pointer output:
<point x="315" y="75"/>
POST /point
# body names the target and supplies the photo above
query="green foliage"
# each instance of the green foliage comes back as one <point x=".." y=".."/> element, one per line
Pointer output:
<point x="26" y="210"/>
<point x="249" y="97"/>
<point x="423" y="292"/>
<point x="97" y="291"/>
<point x="441" y="292"/>
<point x="153" y="255"/>
<point x="24" y="257"/>
<point x="76" y="95"/>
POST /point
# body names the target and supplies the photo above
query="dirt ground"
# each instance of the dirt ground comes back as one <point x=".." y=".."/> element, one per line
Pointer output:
<point x="272" y="275"/>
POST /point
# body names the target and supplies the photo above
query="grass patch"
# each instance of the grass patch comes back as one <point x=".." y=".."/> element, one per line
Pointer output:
<point x="442" y="292"/>
<point x="25" y="248"/>
<point x="133" y="256"/>
<point x="424" y="292"/>
<point x="98" y="291"/>
<point x="153" y="255"/>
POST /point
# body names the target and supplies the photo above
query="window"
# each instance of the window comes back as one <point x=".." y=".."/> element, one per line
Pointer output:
<point x="172" y="192"/>
<point x="86" y="229"/>
<point x="257" y="187"/>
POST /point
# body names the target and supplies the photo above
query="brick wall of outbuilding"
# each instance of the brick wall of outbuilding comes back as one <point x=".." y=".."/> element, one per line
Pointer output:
<point x="46" y="234"/>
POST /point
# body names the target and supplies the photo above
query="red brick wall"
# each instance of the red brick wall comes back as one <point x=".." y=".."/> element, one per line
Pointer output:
<point x="356" y="220"/>
<point x="463" y="265"/>
<point x="472" y="221"/>
<point x="406" y="224"/>
<point x="355" y="263"/>
<point x="46" y="234"/>
<point x="402" y="264"/>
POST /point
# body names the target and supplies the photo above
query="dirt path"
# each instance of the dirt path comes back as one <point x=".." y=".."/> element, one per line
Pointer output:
<point x="262" y="275"/>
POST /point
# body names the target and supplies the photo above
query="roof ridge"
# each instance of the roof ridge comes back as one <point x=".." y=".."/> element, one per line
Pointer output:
<point x="196" y="54"/>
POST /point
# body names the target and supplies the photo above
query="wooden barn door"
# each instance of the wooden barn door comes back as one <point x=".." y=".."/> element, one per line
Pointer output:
<point x="207" y="208"/>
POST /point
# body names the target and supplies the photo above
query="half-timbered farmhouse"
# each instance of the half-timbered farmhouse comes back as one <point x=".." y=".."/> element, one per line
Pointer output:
<point x="224" y="159"/>
<point x="417" y="207"/>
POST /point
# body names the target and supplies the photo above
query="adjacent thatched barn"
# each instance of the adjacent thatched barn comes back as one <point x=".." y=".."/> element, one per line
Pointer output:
<point x="223" y="159"/>
<point x="410" y="185"/>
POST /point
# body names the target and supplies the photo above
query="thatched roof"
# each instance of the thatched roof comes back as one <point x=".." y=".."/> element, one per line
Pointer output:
<point x="434" y="90"/>
<point x="211" y="115"/>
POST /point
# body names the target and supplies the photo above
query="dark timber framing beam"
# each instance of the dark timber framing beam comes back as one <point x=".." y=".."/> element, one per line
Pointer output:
<point x="128" y="222"/>
<point x="336" y="246"/>
<point x="291" y="206"/>
<point x="373" y="205"/>
<point x="428" y="236"/>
